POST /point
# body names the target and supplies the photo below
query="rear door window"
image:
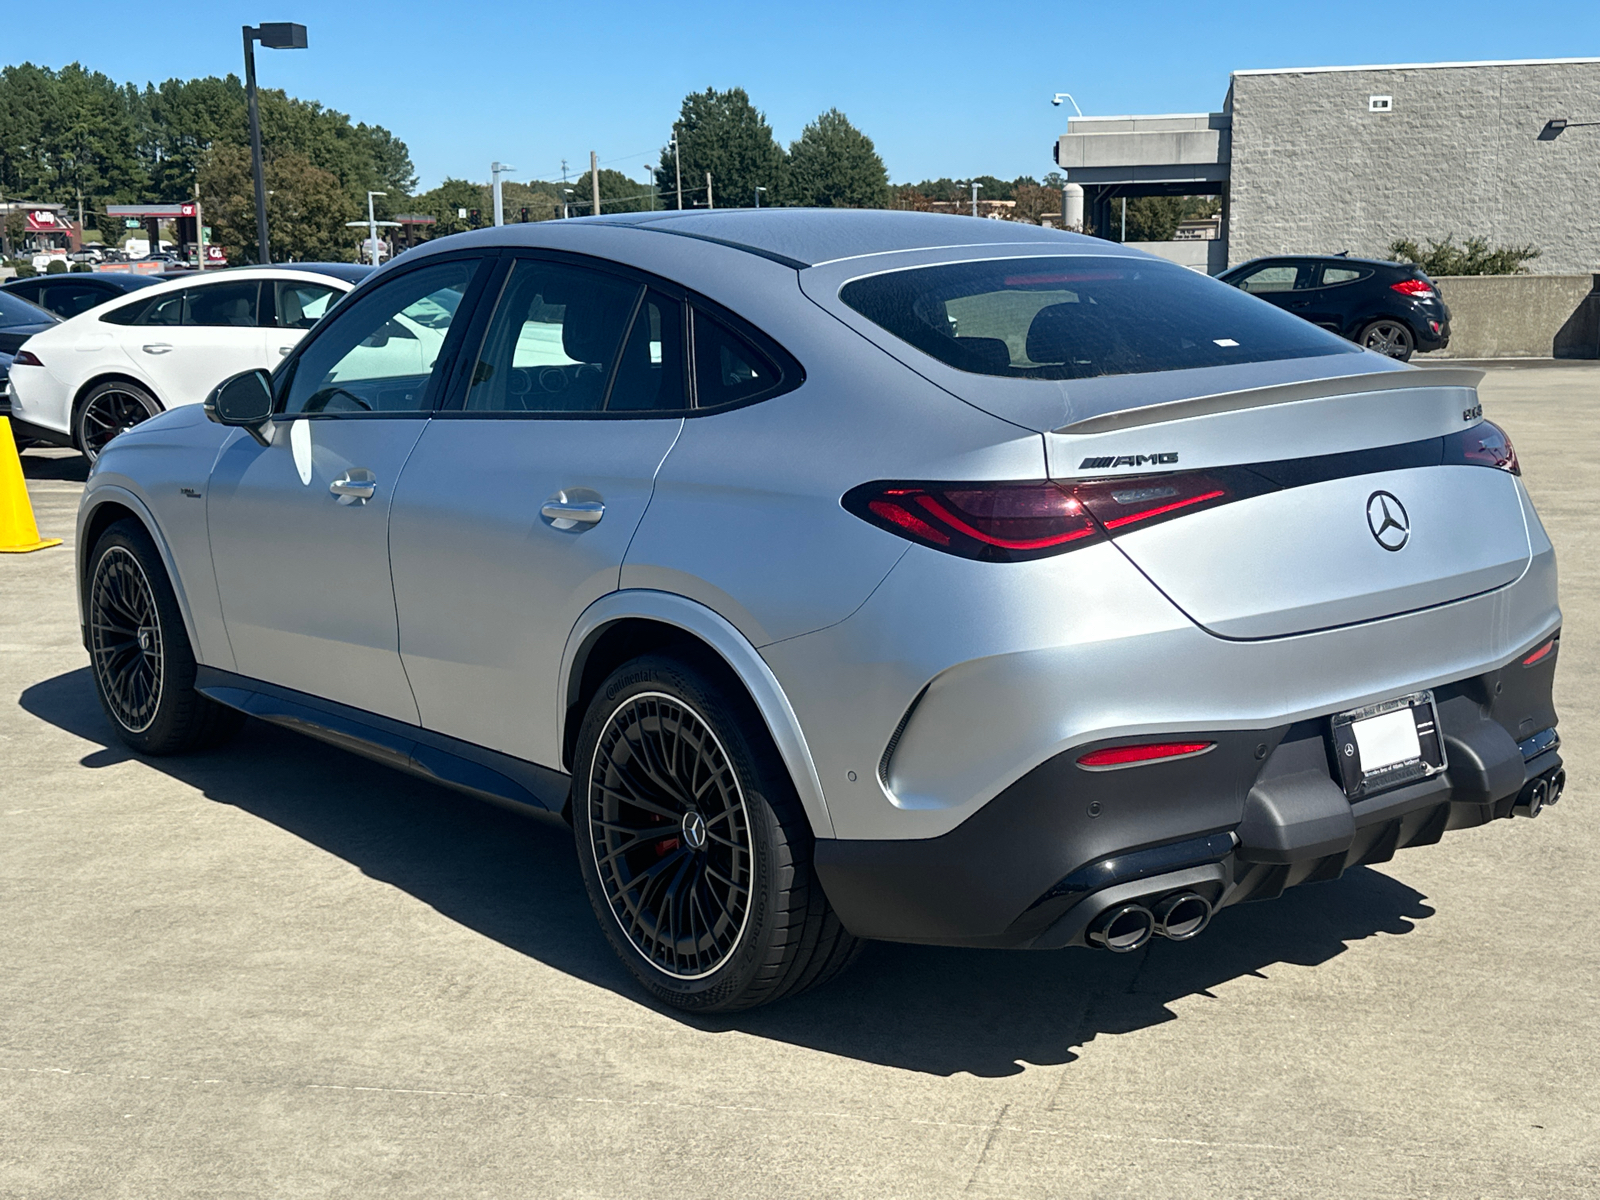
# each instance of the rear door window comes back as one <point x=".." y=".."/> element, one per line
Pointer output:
<point x="1332" y="276"/>
<point x="554" y="339"/>
<point x="1078" y="317"/>
<point x="232" y="303"/>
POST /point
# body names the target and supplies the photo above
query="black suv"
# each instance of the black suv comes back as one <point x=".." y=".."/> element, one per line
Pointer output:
<point x="1389" y="307"/>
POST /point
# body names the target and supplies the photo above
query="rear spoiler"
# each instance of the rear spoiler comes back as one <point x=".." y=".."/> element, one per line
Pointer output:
<point x="1278" y="393"/>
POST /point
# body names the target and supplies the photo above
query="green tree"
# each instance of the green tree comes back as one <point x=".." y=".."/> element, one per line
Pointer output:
<point x="307" y="208"/>
<point x="1475" y="257"/>
<point x="723" y="133"/>
<point x="834" y="165"/>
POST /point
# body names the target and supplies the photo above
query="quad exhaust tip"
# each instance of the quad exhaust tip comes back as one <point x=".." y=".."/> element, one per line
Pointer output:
<point x="1123" y="928"/>
<point x="1182" y="915"/>
<point x="1533" y="798"/>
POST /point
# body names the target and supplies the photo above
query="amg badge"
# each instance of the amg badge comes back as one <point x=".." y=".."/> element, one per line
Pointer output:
<point x="1128" y="460"/>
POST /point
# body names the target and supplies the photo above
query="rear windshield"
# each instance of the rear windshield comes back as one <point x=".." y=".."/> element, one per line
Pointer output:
<point x="1077" y="318"/>
<point x="14" y="311"/>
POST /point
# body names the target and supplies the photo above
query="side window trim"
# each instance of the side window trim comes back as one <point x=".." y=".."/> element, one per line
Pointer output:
<point x="452" y="398"/>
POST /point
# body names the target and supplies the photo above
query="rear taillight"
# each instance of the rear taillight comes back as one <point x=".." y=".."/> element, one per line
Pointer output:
<point x="1112" y="757"/>
<point x="994" y="522"/>
<point x="1484" y="445"/>
<point x="26" y="358"/>
<point x="1015" y="522"/>
<point x="1413" y="287"/>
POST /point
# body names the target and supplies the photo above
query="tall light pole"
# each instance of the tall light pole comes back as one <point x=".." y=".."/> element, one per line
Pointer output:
<point x="274" y="35"/>
<point x="372" y="226"/>
<point x="975" y="186"/>
<point x="566" y="194"/>
<point x="677" y="163"/>
<point x="759" y="190"/>
<point x="496" y="169"/>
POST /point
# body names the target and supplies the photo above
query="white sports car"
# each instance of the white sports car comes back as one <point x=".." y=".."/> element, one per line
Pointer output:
<point x="118" y="364"/>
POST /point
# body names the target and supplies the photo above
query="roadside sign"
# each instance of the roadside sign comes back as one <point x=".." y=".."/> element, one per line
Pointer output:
<point x="132" y="223"/>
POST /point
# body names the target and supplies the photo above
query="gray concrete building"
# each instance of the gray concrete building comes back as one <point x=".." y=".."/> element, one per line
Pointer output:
<point x="1324" y="159"/>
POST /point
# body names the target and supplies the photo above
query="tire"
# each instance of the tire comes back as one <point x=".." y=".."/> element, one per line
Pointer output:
<point x="139" y="652"/>
<point x="694" y="848"/>
<point x="1390" y="337"/>
<point x="106" y="410"/>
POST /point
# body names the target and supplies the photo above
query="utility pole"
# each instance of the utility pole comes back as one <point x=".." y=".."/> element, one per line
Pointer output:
<point x="276" y="35"/>
<point x="594" y="181"/>
<point x="975" y="186"/>
<point x="709" y="202"/>
<point x="677" y="161"/>
<point x="199" y="229"/>
<point x="1124" y="218"/>
<point x="497" y="169"/>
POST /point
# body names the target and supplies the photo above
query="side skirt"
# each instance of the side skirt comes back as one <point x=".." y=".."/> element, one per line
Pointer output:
<point x="487" y="774"/>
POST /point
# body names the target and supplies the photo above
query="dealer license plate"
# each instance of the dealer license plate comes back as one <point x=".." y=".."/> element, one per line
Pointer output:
<point x="1387" y="745"/>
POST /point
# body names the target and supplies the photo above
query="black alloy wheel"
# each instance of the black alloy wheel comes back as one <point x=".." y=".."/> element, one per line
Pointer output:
<point x="1388" y="337"/>
<point x="109" y="409"/>
<point x="694" y="847"/>
<point x="671" y="835"/>
<point x="125" y="640"/>
<point x="139" y="652"/>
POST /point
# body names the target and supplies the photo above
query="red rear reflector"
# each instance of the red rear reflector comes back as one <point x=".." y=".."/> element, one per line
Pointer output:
<point x="1542" y="652"/>
<point x="26" y="358"/>
<point x="1127" y="756"/>
<point x="1412" y="287"/>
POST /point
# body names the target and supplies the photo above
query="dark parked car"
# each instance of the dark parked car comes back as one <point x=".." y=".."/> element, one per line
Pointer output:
<point x="1389" y="307"/>
<point x="68" y="295"/>
<point x="19" y="321"/>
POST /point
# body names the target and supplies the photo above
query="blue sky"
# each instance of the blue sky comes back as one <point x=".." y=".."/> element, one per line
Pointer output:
<point x="942" y="88"/>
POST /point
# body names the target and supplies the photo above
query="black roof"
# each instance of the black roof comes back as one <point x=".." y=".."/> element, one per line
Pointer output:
<point x="349" y="272"/>
<point x="1327" y="258"/>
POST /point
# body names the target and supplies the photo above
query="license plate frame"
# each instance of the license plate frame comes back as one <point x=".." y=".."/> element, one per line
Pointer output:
<point x="1360" y="783"/>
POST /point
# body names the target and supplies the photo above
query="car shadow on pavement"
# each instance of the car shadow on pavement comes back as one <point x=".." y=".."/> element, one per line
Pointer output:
<point x="929" y="1009"/>
<point x="55" y="464"/>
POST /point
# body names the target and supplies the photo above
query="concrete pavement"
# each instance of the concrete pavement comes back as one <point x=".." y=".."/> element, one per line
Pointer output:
<point x="279" y="970"/>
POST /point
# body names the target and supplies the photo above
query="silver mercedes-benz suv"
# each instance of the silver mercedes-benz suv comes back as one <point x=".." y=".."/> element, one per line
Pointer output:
<point x="848" y="575"/>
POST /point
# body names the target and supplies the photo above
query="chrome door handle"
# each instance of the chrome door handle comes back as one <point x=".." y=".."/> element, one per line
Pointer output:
<point x="157" y="348"/>
<point x="355" y="486"/>
<point x="283" y="351"/>
<point x="566" y="514"/>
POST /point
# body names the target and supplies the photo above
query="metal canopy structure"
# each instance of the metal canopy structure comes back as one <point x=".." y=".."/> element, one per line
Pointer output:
<point x="1179" y="154"/>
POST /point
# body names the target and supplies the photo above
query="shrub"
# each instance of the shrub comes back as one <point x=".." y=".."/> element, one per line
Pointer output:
<point x="1474" y="258"/>
<point x="56" y="266"/>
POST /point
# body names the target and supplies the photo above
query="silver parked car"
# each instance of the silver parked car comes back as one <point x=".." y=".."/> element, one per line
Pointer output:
<point x="849" y="575"/>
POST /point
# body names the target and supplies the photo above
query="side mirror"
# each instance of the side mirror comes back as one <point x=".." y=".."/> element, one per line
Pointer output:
<point x="245" y="401"/>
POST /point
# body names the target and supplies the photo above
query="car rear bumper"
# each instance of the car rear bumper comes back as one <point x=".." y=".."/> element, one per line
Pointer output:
<point x="1260" y="813"/>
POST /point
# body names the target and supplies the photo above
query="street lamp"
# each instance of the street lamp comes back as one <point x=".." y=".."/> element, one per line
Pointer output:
<point x="497" y="169"/>
<point x="975" y="186"/>
<point x="759" y="190"/>
<point x="274" y="35"/>
<point x="677" y="164"/>
<point x="565" y="192"/>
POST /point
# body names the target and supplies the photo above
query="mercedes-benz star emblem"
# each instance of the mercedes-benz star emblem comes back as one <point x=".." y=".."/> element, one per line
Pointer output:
<point x="1387" y="519"/>
<point x="694" y="830"/>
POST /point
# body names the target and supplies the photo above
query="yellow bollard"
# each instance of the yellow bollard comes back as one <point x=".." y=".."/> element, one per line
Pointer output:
<point x="18" y="533"/>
